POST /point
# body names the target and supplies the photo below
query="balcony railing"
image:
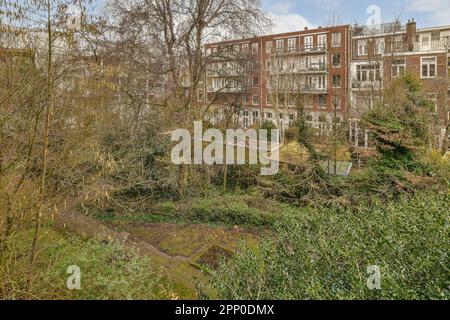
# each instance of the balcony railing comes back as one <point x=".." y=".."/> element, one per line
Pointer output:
<point x="366" y="84"/>
<point x="319" y="68"/>
<point x="299" y="89"/>
<point x="212" y="89"/>
<point x="385" y="28"/>
<point x="224" y="72"/>
<point x="306" y="49"/>
<point x="434" y="45"/>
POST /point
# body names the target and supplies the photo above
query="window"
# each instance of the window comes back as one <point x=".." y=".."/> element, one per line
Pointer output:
<point x="322" y="101"/>
<point x="336" y="81"/>
<point x="255" y="48"/>
<point x="322" y="118"/>
<point x="281" y="115"/>
<point x="269" y="45"/>
<point x="433" y="100"/>
<point x="337" y="102"/>
<point x="308" y="102"/>
<point x="309" y="118"/>
<point x="336" y="39"/>
<point x="336" y="60"/>
<point x="322" y="41"/>
<point x="362" y="47"/>
<point x="280" y="45"/>
<point x="255" y="100"/>
<point x="425" y="41"/>
<point x="379" y="45"/>
<point x="255" y="114"/>
<point x="366" y="72"/>
<point x="245" y="113"/>
<point x="322" y="82"/>
<point x="291" y="44"/>
<point x="255" y="81"/>
<point x="245" y="47"/>
<point x="308" y="43"/>
<point x="269" y="115"/>
<point x="398" y="68"/>
<point x="269" y="100"/>
<point x="428" y="67"/>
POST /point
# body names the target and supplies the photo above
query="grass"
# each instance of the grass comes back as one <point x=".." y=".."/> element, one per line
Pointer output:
<point x="108" y="270"/>
<point x="249" y="211"/>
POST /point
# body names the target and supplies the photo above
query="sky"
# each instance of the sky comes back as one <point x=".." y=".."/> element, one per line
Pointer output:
<point x="291" y="15"/>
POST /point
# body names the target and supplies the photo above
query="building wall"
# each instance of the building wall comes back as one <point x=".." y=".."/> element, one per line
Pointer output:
<point x="297" y="48"/>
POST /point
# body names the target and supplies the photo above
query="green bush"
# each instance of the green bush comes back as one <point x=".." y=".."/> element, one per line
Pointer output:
<point x="324" y="254"/>
<point x="108" y="270"/>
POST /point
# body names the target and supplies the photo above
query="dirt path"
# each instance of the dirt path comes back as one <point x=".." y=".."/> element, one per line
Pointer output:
<point x="177" y="269"/>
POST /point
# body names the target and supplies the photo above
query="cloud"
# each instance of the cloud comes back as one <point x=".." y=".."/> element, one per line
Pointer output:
<point x="328" y="5"/>
<point x="289" y="22"/>
<point x="284" y="18"/>
<point x="436" y="11"/>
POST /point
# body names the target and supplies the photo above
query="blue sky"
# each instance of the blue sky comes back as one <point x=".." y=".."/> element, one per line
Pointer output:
<point x="291" y="15"/>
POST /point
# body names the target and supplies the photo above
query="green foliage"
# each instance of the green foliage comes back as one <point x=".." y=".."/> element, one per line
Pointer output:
<point x="229" y="210"/>
<point x="108" y="270"/>
<point x="324" y="253"/>
<point x="399" y="126"/>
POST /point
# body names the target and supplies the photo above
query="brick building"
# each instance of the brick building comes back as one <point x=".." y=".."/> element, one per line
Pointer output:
<point x="326" y="71"/>
<point x="383" y="53"/>
<point x="278" y="73"/>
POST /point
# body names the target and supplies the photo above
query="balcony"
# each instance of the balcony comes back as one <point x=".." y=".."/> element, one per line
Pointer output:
<point x="211" y="89"/>
<point x="294" y="50"/>
<point x="434" y="45"/>
<point x="225" y="72"/>
<point x="385" y="28"/>
<point x="313" y="69"/>
<point x="299" y="89"/>
<point x="313" y="89"/>
<point x="367" y="85"/>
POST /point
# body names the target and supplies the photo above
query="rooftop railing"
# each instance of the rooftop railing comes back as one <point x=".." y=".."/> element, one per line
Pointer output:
<point x="434" y="45"/>
<point x="313" y="48"/>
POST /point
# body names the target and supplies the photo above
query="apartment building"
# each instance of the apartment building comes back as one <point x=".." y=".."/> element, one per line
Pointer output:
<point x="380" y="54"/>
<point x="334" y="72"/>
<point x="271" y="77"/>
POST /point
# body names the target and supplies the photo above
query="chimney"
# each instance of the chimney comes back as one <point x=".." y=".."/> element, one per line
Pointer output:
<point x="411" y="32"/>
<point x="306" y="28"/>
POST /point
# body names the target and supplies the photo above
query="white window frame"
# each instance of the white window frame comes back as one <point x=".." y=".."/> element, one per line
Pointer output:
<point x="308" y="44"/>
<point x="332" y="60"/>
<point x="322" y="40"/>
<point x="337" y="76"/>
<point x="336" y="39"/>
<point x="380" y="45"/>
<point x="363" y="47"/>
<point x="291" y="44"/>
<point x="280" y="44"/>
<point x="269" y="45"/>
<point x="397" y="68"/>
<point x="422" y="64"/>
